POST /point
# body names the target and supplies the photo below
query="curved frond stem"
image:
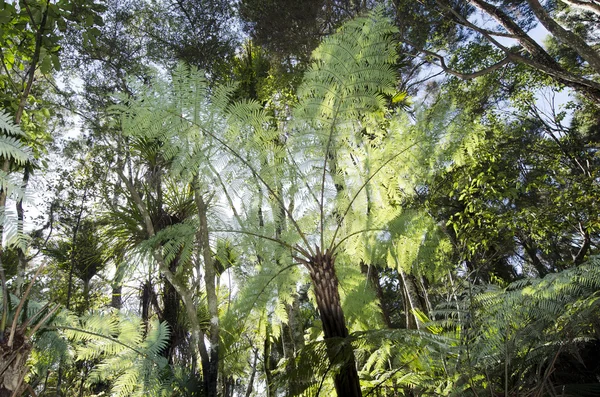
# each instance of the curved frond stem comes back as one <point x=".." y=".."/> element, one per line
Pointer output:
<point x="327" y="148"/>
<point x="394" y="372"/>
<point x="265" y="287"/>
<point x="312" y="193"/>
<point x="323" y="378"/>
<point x="333" y="245"/>
<point x="84" y="331"/>
<point x="251" y="168"/>
<point x="32" y="318"/>
<point x="43" y="320"/>
<point x="303" y="251"/>
<point x="333" y="248"/>
<point x="273" y="239"/>
<point x="227" y="195"/>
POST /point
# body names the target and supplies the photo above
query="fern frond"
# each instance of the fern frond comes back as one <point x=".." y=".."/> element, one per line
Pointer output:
<point x="8" y="126"/>
<point x="11" y="148"/>
<point x="127" y="357"/>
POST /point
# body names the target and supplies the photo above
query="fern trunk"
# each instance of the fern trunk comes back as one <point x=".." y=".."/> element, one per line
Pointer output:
<point x="339" y="350"/>
<point x="13" y="366"/>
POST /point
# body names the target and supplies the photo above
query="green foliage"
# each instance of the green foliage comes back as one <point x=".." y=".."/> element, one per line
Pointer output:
<point x="11" y="148"/>
<point x="126" y="353"/>
<point x="534" y="327"/>
<point x="455" y="198"/>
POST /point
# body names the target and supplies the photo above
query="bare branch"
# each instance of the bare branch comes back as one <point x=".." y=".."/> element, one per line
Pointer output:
<point x="464" y="76"/>
<point x="565" y="36"/>
<point x="590" y="6"/>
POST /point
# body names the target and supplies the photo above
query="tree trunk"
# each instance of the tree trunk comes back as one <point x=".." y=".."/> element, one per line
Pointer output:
<point x="322" y="273"/>
<point x="413" y="300"/>
<point x="116" y="301"/>
<point x="252" y="375"/>
<point x="13" y="366"/>
<point x="271" y="392"/>
<point x="211" y="367"/>
<point x="565" y="36"/>
<point x="372" y="274"/>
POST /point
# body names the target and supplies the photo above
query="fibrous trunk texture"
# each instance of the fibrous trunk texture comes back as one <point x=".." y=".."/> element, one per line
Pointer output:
<point x="322" y="273"/>
<point x="13" y="365"/>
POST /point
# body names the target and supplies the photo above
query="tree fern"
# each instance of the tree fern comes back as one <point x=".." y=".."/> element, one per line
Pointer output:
<point x="125" y="354"/>
<point x="285" y="195"/>
<point x="519" y="330"/>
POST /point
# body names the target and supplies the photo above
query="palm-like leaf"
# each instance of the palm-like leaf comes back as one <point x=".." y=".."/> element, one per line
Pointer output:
<point x="127" y="355"/>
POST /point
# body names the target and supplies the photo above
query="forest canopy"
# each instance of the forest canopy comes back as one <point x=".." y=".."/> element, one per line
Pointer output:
<point x="314" y="198"/>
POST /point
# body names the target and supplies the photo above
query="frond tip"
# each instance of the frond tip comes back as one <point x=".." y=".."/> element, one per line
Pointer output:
<point x="7" y="126"/>
<point x="11" y="147"/>
<point x="128" y="359"/>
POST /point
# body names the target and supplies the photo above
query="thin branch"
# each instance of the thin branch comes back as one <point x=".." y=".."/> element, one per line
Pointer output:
<point x="464" y="76"/>
<point x="33" y="66"/>
<point x="43" y="321"/>
<point x="377" y="229"/>
<point x="494" y="33"/>
<point x="275" y="240"/>
<point x="50" y="224"/>
<point x="584" y="5"/>
<point x="12" y="83"/>
<point x="461" y="20"/>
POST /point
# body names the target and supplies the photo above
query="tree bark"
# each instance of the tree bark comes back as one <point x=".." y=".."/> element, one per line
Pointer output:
<point x="13" y="366"/>
<point x="116" y="300"/>
<point x="271" y="391"/>
<point x="372" y="274"/>
<point x="537" y="57"/>
<point x="565" y="36"/>
<point x="211" y="367"/>
<point x="413" y="300"/>
<point x="325" y="282"/>
<point x="590" y="6"/>
<point x="252" y="375"/>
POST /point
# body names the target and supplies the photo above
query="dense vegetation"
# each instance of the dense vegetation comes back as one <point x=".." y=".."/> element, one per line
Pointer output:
<point x="308" y="198"/>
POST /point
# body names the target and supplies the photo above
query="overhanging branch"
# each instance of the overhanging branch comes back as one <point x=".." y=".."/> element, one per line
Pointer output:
<point x="462" y="75"/>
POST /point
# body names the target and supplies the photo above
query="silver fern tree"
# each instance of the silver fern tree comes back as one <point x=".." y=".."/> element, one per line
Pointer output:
<point x="295" y="194"/>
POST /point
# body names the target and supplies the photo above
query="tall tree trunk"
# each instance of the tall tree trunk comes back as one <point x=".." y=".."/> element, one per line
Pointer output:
<point x="252" y="375"/>
<point x="271" y="391"/>
<point x="325" y="282"/>
<point x="211" y="367"/>
<point x="413" y="300"/>
<point x="23" y="262"/>
<point x="372" y="274"/>
<point x="170" y="313"/>
<point x="116" y="300"/>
